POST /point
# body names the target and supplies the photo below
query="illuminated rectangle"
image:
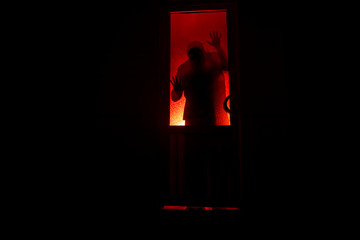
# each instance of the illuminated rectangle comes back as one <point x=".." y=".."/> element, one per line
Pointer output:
<point x="199" y="99"/>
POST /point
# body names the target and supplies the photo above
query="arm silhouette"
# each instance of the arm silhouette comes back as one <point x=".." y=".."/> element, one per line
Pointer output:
<point x="215" y="42"/>
<point x="177" y="90"/>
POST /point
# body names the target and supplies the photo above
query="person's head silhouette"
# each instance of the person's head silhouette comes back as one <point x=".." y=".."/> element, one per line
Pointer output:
<point x="196" y="51"/>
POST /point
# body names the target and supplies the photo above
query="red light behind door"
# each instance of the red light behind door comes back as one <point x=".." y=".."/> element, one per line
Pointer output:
<point x="185" y="28"/>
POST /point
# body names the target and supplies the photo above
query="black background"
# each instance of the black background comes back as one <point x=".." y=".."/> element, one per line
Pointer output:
<point x="100" y="147"/>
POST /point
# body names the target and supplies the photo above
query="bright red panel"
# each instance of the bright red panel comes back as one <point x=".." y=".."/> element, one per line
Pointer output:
<point x="185" y="28"/>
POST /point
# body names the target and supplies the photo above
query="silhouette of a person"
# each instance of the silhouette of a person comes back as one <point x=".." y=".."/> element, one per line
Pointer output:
<point x="201" y="79"/>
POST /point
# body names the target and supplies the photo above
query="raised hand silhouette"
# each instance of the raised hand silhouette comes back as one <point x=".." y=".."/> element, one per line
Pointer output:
<point x="215" y="39"/>
<point x="176" y="82"/>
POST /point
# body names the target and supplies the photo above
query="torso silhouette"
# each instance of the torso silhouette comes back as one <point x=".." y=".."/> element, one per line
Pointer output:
<point x="200" y="83"/>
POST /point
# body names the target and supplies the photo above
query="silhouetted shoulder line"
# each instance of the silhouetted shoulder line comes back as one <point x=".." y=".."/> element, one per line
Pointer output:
<point x="183" y="66"/>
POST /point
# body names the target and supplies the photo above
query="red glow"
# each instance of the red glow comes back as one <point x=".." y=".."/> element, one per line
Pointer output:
<point x="208" y="208"/>
<point x="197" y="208"/>
<point x="175" y="207"/>
<point x="187" y="27"/>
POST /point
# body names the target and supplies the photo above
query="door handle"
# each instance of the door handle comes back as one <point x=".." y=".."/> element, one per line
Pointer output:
<point x="225" y="104"/>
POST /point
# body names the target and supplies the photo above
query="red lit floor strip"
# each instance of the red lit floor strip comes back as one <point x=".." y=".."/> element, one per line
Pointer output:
<point x="175" y="207"/>
<point x="194" y="207"/>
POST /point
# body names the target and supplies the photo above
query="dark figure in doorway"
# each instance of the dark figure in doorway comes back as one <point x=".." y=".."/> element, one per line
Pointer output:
<point x="202" y="81"/>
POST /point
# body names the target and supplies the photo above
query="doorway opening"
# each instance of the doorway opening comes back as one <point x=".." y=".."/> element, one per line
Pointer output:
<point x="203" y="26"/>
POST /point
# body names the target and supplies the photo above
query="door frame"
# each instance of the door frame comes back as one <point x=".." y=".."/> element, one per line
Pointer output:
<point x="163" y="72"/>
